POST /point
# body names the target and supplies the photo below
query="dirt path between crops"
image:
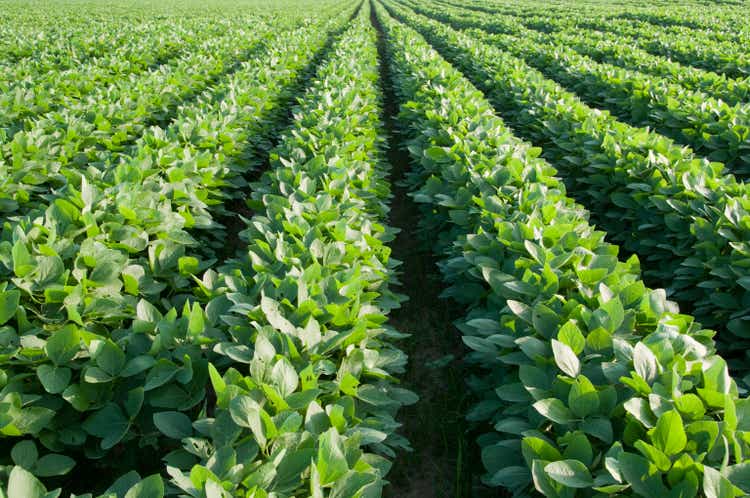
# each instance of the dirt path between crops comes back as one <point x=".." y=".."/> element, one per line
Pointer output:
<point x="435" y="425"/>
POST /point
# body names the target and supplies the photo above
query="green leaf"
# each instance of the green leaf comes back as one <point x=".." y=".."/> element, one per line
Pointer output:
<point x="24" y="454"/>
<point x="275" y="317"/>
<point x="160" y="374"/>
<point x="123" y="484"/>
<point x="109" y="423"/>
<point x="599" y="427"/>
<point x="246" y="412"/>
<point x="23" y="262"/>
<point x="641" y="475"/>
<point x="535" y="448"/>
<point x="134" y="402"/>
<point x="436" y="154"/>
<point x="640" y="409"/>
<point x="108" y="356"/>
<point x="63" y="345"/>
<point x="554" y="409"/>
<point x="175" y="425"/>
<point x="566" y="359"/>
<point x="196" y="322"/>
<point x="645" y="362"/>
<point x="570" y="473"/>
<point x="54" y="379"/>
<point x="571" y="335"/>
<point x="188" y="265"/>
<point x="22" y="484"/>
<point x="690" y="405"/>
<point x="150" y="487"/>
<point x="662" y="462"/>
<point x="739" y="475"/>
<point x="331" y="460"/>
<point x="54" y="465"/>
<point x="545" y="321"/>
<point x="583" y="399"/>
<point x="8" y="305"/>
<point x="542" y="482"/>
<point x="716" y="485"/>
<point x="285" y="377"/>
<point x="669" y="434"/>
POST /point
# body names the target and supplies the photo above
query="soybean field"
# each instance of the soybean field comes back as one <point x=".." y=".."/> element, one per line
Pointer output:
<point x="374" y="248"/>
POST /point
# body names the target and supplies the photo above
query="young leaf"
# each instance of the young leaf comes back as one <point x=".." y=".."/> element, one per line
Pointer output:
<point x="566" y="359"/>
<point x="570" y="473"/>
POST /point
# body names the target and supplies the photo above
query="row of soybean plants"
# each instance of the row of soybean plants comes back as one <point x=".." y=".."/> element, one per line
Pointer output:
<point x="591" y="384"/>
<point x="683" y="215"/>
<point x="620" y="51"/>
<point x="30" y="87"/>
<point x="93" y="130"/>
<point x="721" y="52"/>
<point x="711" y="126"/>
<point x="307" y="305"/>
<point x="719" y="23"/>
<point x="64" y="38"/>
<point x="106" y="331"/>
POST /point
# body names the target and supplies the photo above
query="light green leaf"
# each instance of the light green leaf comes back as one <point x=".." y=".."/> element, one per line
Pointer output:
<point x="669" y="434"/>
<point x="555" y="410"/>
<point x="150" y="487"/>
<point x="716" y="485"/>
<point x="570" y="473"/>
<point x="22" y="484"/>
<point x="645" y="362"/>
<point x="331" y="461"/>
<point x="566" y="359"/>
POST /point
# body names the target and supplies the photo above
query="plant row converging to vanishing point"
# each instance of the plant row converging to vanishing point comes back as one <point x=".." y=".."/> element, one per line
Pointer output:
<point x="197" y="274"/>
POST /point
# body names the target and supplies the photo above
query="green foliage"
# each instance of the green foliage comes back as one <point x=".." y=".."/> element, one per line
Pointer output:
<point x="109" y="313"/>
<point x="682" y="214"/>
<point x="578" y="365"/>
<point x="315" y="414"/>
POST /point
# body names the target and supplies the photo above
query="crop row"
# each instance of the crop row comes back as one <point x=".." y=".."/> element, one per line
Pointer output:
<point x="102" y="324"/>
<point x="685" y="45"/>
<point x="307" y="305"/>
<point x="28" y="90"/>
<point x="591" y="383"/>
<point x="683" y="215"/>
<point x="712" y="127"/>
<point x="620" y="51"/>
<point x="90" y="133"/>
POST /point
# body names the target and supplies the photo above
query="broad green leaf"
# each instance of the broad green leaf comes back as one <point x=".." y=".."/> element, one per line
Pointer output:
<point x="715" y="485"/>
<point x="645" y="362"/>
<point x="8" y="305"/>
<point x="669" y="434"/>
<point x="566" y="359"/>
<point x="24" y="454"/>
<point x="150" y="487"/>
<point x="331" y="460"/>
<point x="54" y="379"/>
<point x="54" y="465"/>
<point x="172" y="424"/>
<point x="22" y="484"/>
<point x="583" y="399"/>
<point x="63" y="345"/>
<point x="555" y="410"/>
<point x="570" y="473"/>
